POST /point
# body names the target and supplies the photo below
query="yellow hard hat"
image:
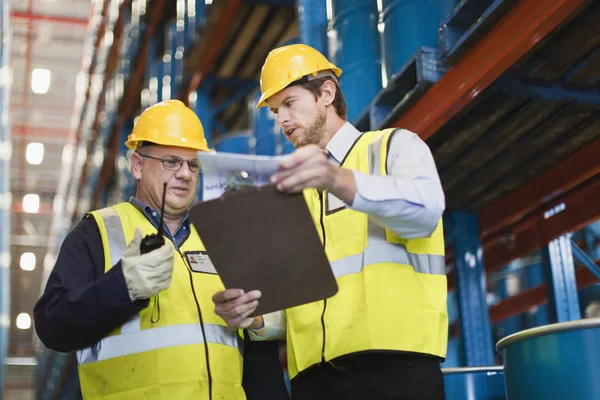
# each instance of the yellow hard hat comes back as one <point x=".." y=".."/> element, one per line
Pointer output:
<point x="168" y="123"/>
<point x="287" y="64"/>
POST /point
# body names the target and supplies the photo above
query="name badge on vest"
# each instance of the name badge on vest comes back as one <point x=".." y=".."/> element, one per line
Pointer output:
<point x="200" y="262"/>
<point x="333" y="204"/>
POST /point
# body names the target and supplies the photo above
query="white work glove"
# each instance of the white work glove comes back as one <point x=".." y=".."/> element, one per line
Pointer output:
<point x="146" y="274"/>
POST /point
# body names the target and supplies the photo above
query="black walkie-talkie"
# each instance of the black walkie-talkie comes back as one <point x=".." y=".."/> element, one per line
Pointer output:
<point x="155" y="240"/>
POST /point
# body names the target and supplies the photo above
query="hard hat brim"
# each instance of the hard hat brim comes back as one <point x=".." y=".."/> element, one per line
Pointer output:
<point x="262" y="102"/>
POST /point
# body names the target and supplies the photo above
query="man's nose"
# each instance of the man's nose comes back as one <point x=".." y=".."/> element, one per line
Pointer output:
<point x="282" y="117"/>
<point x="184" y="172"/>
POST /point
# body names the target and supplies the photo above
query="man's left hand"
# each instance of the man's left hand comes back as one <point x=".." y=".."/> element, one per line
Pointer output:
<point x="309" y="167"/>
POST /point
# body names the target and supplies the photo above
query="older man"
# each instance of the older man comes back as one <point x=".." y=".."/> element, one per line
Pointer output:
<point x="143" y="323"/>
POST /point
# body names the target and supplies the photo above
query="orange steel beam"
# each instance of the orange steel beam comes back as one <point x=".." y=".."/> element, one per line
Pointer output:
<point x="535" y="296"/>
<point x="578" y="168"/>
<point x="44" y="209"/>
<point x="509" y="40"/>
<point x="35" y="131"/>
<point x="581" y="208"/>
<point x="217" y="39"/>
<point x="48" y="18"/>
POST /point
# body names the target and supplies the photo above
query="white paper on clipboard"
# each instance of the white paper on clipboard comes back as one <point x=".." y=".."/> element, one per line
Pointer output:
<point x="219" y="170"/>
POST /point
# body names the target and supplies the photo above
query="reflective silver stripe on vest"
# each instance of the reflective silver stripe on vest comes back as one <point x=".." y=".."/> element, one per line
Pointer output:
<point x="114" y="232"/>
<point x="116" y="246"/>
<point x="158" y="338"/>
<point x="375" y="155"/>
<point x="379" y="250"/>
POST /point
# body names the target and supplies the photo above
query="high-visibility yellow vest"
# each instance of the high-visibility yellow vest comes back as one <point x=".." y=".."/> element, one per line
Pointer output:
<point x="175" y="348"/>
<point x="392" y="291"/>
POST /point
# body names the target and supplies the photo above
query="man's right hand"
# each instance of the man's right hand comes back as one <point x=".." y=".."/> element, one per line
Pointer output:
<point x="234" y="306"/>
<point x="146" y="274"/>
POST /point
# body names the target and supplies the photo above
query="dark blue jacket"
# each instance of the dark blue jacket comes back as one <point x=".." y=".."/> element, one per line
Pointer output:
<point x="81" y="304"/>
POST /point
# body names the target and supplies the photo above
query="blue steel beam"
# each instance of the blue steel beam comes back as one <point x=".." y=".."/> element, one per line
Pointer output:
<point x="405" y="88"/>
<point x="471" y="284"/>
<point x="585" y="259"/>
<point x="562" y="293"/>
<point x="584" y="72"/>
<point x="592" y="240"/>
<point x="469" y="21"/>
<point x="555" y="90"/>
<point x="240" y="94"/>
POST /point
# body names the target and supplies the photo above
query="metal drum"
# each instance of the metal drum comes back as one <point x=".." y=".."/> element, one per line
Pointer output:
<point x="235" y="143"/>
<point x="474" y="383"/>
<point x="408" y="25"/>
<point x="553" y="362"/>
<point x="355" y="48"/>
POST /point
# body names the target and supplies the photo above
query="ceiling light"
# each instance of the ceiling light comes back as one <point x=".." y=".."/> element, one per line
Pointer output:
<point x="34" y="153"/>
<point x="31" y="203"/>
<point x="40" y="80"/>
<point x="23" y="321"/>
<point x="27" y="261"/>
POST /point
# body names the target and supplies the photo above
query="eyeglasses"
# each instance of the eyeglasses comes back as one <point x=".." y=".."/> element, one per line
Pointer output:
<point x="174" y="163"/>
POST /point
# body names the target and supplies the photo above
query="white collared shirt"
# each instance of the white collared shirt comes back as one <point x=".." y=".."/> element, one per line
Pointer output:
<point x="409" y="200"/>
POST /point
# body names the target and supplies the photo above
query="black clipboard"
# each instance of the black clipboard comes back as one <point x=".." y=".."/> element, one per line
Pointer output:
<point x="260" y="238"/>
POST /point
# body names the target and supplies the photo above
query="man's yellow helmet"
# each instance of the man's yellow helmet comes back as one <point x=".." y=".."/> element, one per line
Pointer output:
<point x="168" y="123"/>
<point x="287" y="64"/>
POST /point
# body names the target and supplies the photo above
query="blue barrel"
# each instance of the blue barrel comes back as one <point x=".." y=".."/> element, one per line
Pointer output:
<point x="474" y="383"/>
<point x="235" y="143"/>
<point x="355" y="48"/>
<point x="312" y="23"/>
<point x="408" y="25"/>
<point x="553" y="362"/>
<point x="264" y="128"/>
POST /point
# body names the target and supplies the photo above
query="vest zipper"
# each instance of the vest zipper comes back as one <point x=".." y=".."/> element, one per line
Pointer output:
<point x="208" y="373"/>
<point x="322" y="210"/>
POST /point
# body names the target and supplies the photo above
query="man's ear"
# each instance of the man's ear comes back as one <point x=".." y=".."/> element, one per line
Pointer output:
<point x="136" y="166"/>
<point x="328" y="91"/>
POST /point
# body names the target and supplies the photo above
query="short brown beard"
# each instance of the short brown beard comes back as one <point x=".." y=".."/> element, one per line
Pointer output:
<point x="315" y="132"/>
